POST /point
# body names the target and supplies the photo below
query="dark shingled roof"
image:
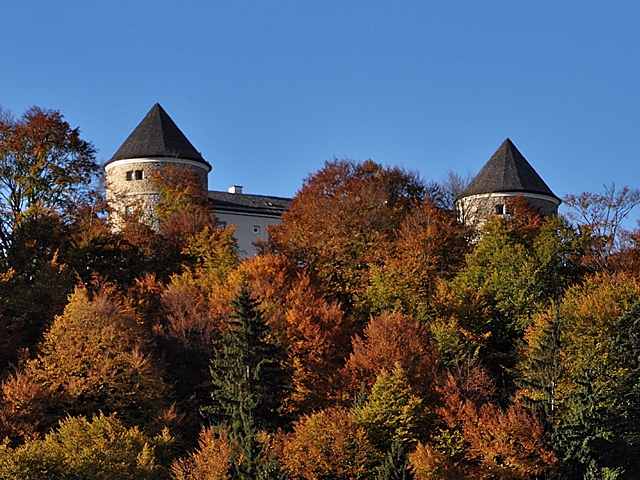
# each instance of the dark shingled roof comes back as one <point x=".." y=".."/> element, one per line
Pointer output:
<point x="243" y="203"/>
<point x="158" y="136"/>
<point x="507" y="171"/>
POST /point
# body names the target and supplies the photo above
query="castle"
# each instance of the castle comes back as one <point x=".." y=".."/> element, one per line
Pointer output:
<point x="157" y="142"/>
<point x="507" y="174"/>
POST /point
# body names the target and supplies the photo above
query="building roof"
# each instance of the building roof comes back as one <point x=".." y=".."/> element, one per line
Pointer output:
<point x="507" y="171"/>
<point x="243" y="203"/>
<point x="158" y="136"/>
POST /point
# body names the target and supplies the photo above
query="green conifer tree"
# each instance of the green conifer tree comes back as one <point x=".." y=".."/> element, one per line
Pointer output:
<point x="396" y="464"/>
<point x="540" y="367"/>
<point x="249" y="384"/>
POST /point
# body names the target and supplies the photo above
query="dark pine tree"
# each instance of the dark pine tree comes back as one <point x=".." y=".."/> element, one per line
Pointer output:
<point x="396" y="464"/>
<point x="249" y="383"/>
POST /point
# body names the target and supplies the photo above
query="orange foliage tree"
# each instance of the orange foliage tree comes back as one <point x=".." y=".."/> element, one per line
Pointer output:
<point x="479" y="439"/>
<point x="327" y="445"/>
<point x="390" y="339"/>
<point x="338" y="219"/>
<point x="429" y="245"/>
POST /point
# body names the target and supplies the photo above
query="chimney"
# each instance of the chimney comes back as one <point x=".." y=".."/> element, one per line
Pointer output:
<point x="235" y="189"/>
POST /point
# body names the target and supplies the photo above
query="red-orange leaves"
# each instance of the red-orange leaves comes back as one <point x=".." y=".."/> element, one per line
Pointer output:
<point x="392" y="338"/>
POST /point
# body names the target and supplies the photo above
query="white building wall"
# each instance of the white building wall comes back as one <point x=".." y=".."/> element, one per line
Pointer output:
<point x="249" y="228"/>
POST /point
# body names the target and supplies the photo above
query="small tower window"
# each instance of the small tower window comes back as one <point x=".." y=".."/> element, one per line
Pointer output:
<point x="499" y="209"/>
<point x="138" y="174"/>
<point x="129" y="175"/>
<point x="130" y="210"/>
<point x="256" y="229"/>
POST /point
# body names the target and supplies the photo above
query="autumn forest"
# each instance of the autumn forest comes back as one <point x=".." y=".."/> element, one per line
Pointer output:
<point x="375" y="336"/>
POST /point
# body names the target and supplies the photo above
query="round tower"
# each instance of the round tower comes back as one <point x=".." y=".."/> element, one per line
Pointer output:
<point x="154" y="144"/>
<point x="506" y="175"/>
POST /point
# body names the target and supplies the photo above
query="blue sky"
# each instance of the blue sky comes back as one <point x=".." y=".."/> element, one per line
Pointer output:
<point x="269" y="90"/>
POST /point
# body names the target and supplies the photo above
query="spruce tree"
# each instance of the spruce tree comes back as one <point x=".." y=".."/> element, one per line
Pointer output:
<point x="249" y="383"/>
<point x="396" y="464"/>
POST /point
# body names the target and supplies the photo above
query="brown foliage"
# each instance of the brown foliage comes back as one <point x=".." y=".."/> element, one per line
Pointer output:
<point x="428" y="463"/>
<point x="600" y="217"/>
<point x="43" y="161"/>
<point x="318" y="342"/>
<point x="91" y="360"/>
<point x="24" y="401"/>
<point x="184" y="208"/>
<point x="210" y="461"/>
<point x="498" y="443"/>
<point x="430" y="245"/>
<point x="525" y="220"/>
<point x="339" y="217"/>
<point x="390" y="339"/>
<point x="188" y="318"/>
<point x="327" y="445"/>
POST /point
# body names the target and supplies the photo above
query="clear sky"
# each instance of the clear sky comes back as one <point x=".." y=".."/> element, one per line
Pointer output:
<point x="269" y="90"/>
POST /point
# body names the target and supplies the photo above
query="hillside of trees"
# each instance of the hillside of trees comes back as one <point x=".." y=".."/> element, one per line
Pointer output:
<point x="374" y="337"/>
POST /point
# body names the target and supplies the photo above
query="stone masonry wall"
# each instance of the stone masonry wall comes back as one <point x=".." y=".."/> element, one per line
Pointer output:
<point x="130" y="190"/>
<point x="475" y="209"/>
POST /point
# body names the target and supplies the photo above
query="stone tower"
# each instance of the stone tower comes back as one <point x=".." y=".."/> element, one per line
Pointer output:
<point x="507" y="174"/>
<point x="155" y="143"/>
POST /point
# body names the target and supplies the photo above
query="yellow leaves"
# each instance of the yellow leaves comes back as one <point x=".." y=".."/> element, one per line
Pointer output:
<point x="392" y="412"/>
<point x="210" y="461"/>
<point x="327" y="444"/>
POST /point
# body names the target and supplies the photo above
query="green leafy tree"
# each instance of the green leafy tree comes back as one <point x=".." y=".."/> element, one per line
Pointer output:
<point x="392" y="412"/>
<point x="249" y="383"/>
<point x="102" y="448"/>
<point x="540" y="367"/>
<point x="596" y="426"/>
<point x="517" y="269"/>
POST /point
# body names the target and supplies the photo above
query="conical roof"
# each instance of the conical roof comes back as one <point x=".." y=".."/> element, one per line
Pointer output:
<point x="507" y="171"/>
<point x="158" y="136"/>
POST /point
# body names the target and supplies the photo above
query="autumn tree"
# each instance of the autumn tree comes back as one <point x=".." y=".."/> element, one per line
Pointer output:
<point x="317" y="336"/>
<point x="516" y="271"/>
<point x="429" y="245"/>
<point x="481" y="439"/>
<point x="46" y="171"/>
<point x="92" y="360"/>
<point x="328" y="445"/>
<point x="43" y="162"/>
<point x="339" y="217"/>
<point x="210" y="461"/>
<point x="601" y="217"/>
<point x="102" y="448"/>
<point x="186" y="232"/>
<point x="390" y="339"/>
<point x="392" y="412"/>
<point x="595" y="424"/>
